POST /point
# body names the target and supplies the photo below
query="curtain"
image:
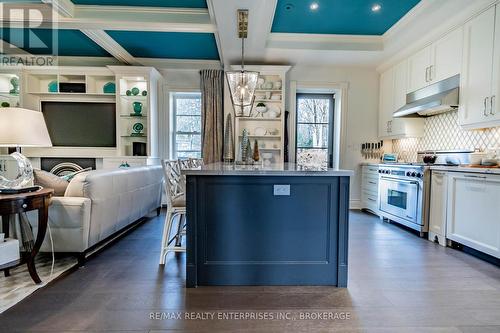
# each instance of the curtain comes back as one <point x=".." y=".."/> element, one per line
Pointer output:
<point x="212" y="114"/>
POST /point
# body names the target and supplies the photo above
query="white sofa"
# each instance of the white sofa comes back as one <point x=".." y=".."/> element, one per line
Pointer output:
<point x="98" y="204"/>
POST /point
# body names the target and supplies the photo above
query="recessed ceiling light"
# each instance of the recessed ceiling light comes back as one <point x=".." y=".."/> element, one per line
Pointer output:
<point x="314" y="6"/>
<point x="376" y="7"/>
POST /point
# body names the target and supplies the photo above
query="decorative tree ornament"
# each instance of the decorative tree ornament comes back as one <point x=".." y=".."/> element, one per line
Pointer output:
<point x="229" y="140"/>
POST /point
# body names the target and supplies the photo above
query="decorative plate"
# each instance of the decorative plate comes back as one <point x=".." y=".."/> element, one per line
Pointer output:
<point x="135" y="91"/>
<point x="138" y="127"/>
<point x="260" y="131"/>
<point x="128" y="93"/>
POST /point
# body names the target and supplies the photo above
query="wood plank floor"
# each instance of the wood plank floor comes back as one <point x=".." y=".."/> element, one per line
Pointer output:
<point x="397" y="283"/>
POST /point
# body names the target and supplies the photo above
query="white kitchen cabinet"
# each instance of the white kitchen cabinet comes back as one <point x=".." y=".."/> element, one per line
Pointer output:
<point x="418" y="69"/>
<point x="446" y="56"/>
<point x="480" y="72"/>
<point x="438" y="206"/>
<point x="436" y="62"/>
<point x="473" y="211"/>
<point x="369" y="188"/>
<point x="392" y="97"/>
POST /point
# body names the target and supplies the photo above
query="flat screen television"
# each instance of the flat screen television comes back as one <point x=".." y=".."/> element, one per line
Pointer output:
<point x="80" y="124"/>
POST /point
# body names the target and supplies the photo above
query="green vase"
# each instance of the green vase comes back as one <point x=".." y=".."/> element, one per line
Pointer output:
<point x="137" y="106"/>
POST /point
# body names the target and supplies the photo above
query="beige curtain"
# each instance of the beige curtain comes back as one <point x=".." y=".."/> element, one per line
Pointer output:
<point x="212" y="114"/>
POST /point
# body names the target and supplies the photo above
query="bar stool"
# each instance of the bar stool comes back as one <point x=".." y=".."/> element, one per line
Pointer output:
<point x="176" y="207"/>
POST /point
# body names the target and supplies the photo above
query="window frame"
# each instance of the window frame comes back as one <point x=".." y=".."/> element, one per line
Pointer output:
<point x="174" y="97"/>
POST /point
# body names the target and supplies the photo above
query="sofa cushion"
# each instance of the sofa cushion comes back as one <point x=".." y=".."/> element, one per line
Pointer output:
<point x="49" y="180"/>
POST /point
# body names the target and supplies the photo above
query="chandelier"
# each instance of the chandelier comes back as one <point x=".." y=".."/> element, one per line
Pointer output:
<point x="242" y="83"/>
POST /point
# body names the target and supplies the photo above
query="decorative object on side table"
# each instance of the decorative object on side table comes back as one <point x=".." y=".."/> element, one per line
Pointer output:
<point x="109" y="88"/>
<point x="137" y="107"/>
<point x="137" y="128"/>
<point x="229" y="140"/>
<point x="22" y="128"/>
<point x="135" y="91"/>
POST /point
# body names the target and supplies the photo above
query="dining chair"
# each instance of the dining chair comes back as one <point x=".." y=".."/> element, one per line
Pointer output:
<point x="196" y="162"/>
<point x="175" y="189"/>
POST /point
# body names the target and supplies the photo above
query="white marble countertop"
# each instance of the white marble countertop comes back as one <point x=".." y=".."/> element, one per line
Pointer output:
<point x="466" y="169"/>
<point x="278" y="169"/>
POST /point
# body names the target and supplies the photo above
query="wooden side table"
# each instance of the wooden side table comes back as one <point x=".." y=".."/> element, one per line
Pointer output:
<point x="20" y="203"/>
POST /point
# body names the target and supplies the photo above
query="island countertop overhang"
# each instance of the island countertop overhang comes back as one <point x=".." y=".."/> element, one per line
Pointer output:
<point x="278" y="169"/>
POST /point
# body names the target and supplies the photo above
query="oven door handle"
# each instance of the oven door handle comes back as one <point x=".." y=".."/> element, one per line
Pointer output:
<point x="400" y="180"/>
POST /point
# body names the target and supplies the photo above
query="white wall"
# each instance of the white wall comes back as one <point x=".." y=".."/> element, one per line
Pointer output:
<point x="362" y="111"/>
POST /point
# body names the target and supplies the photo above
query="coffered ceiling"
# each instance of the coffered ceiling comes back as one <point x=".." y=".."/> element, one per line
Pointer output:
<point x="203" y="32"/>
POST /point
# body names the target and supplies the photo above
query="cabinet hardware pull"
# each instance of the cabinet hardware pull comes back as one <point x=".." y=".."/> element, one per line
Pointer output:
<point x="426" y="74"/>
<point x="372" y="199"/>
<point x="430" y="73"/>
<point x="373" y="183"/>
<point x="474" y="176"/>
<point x="491" y="105"/>
<point x="484" y="110"/>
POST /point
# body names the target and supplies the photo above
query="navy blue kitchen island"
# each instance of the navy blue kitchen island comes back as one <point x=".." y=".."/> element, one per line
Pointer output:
<point x="277" y="225"/>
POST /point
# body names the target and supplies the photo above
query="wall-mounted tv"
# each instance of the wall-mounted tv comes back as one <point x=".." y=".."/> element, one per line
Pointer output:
<point x="80" y="124"/>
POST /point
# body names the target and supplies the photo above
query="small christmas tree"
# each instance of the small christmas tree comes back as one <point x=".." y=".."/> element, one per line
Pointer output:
<point x="256" y="155"/>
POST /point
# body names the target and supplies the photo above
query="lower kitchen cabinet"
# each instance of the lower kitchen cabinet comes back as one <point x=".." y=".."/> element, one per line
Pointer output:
<point x="369" y="188"/>
<point x="438" y="206"/>
<point x="473" y="211"/>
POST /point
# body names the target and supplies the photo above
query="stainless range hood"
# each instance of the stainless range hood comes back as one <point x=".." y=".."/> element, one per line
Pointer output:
<point x="437" y="98"/>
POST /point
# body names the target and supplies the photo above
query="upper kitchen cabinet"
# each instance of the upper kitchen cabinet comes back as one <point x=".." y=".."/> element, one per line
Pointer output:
<point x="479" y="84"/>
<point x="392" y="97"/>
<point x="436" y="62"/>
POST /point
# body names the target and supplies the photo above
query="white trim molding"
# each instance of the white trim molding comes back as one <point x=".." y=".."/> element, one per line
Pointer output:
<point x="325" y="42"/>
<point x="65" y="8"/>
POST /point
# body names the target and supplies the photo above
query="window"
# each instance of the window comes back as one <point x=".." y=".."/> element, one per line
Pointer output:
<point x="186" y="125"/>
<point x="314" y="129"/>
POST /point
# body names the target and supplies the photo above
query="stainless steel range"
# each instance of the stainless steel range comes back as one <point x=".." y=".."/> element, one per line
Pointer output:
<point x="403" y="194"/>
<point x="404" y="189"/>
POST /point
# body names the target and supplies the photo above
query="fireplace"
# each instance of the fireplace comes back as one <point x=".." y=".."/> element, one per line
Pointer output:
<point x="63" y="166"/>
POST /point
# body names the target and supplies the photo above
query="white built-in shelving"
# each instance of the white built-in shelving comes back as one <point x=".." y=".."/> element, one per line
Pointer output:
<point x="270" y="91"/>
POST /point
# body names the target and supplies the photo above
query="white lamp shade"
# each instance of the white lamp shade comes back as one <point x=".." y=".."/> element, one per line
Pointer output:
<point x="23" y="128"/>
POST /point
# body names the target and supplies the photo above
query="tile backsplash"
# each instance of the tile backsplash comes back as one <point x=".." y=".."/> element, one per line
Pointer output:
<point x="442" y="132"/>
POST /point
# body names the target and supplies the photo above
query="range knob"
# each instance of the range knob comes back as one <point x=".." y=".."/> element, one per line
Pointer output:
<point x="413" y="174"/>
<point x="419" y="175"/>
<point x="387" y="171"/>
<point x="408" y="173"/>
<point x="380" y="171"/>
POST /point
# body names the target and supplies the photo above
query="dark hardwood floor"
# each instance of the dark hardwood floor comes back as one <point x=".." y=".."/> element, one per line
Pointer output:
<point x="397" y="283"/>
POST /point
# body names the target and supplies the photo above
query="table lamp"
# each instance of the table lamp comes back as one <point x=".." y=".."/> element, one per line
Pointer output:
<point x="21" y="128"/>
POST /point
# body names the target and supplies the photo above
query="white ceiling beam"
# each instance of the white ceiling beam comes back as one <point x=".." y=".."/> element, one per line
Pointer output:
<point x="122" y="18"/>
<point x="65" y="8"/>
<point x="102" y="39"/>
<point x="325" y="42"/>
<point x="211" y="13"/>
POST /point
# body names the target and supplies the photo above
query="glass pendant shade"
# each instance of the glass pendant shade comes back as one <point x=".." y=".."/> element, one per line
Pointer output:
<point x="242" y="86"/>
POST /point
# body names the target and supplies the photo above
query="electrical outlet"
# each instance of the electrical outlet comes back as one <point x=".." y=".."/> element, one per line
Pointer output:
<point x="281" y="190"/>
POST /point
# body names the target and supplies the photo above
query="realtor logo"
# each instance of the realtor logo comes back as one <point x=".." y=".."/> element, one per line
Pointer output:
<point x="28" y="35"/>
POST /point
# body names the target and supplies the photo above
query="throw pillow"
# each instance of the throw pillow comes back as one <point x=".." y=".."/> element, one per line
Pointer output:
<point x="70" y="176"/>
<point x="49" y="180"/>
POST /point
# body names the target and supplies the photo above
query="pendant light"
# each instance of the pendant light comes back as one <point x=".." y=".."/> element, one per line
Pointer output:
<point x="242" y="83"/>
